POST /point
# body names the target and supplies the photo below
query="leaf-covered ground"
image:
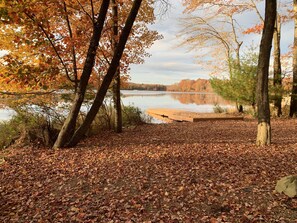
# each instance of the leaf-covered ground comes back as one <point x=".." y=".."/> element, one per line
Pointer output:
<point x="179" y="172"/>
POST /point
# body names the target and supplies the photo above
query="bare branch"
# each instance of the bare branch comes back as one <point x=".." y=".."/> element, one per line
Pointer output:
<point x="93" y="11"/>
<point x="257" y="11"/>
<point x="26" y="93"/>
<point x="163" y="7"/>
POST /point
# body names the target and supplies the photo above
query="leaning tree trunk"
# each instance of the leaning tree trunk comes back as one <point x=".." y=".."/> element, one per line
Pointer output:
<point x="293" y="106"/>
<point x="277" y="70"/>
<point x="81" y="131"/>
<point x="69" y="125"/>
<point x="118" y="123"/>
<point x="264" y="129"/>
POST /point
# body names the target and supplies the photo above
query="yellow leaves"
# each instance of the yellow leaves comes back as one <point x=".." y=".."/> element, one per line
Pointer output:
<point x="2" y="4"/>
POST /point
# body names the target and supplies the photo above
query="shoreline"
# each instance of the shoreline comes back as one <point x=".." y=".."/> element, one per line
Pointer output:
<point x="178" y="115"/>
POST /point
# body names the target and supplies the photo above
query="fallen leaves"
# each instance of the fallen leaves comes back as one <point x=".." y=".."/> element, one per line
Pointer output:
<point x="180" y="172"/>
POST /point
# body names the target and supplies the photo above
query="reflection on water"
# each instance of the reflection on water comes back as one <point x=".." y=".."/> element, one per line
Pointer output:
<point x="200" y="99"/>
<point x="196" y="102"/>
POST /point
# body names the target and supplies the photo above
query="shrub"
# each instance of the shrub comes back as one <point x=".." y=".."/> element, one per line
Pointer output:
<point x="134" y="116"/>
<point x="9" y="132"/>
<point x="219" y="109"/>
<point x="25" y="128"/>
<point x="131" y="116"/>
<point x="39" y="125"/>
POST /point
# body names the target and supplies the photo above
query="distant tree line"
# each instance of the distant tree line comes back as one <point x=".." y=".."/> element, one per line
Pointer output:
<point x="144" y="87"/>
<point x="199" y="85"/>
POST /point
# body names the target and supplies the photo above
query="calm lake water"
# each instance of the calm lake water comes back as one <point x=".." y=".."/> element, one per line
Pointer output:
<point x="196" y="102"/>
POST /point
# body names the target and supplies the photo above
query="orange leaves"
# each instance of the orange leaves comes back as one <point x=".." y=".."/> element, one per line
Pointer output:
<point x="59" y="29"/>
<point x="256" y="29"/>
<point x="199" y="85"/>
<point x="182" y="172"/>
<point x="25" y="72"/>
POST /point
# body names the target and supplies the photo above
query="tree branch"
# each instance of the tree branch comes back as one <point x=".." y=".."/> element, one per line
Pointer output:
<point x="51" y="42"/>
<point x="82" y="7"/>
<point x="73" y="47"/>
<point x="26" y="93"/>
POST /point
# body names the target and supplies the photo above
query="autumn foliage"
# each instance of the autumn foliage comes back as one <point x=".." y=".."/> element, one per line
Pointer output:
<point x="199" y="85"/>
<point x="43" y="41"/>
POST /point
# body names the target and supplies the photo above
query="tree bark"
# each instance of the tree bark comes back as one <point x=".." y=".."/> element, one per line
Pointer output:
<point x="118" y="122"/>
<point x="277" y="70"/>
<point x="73" y="53"/>
<point x="69" y="125"/>
<point x="264" y="130"/>
<point x="293" y="106"/>
<point x="100" y="95"/>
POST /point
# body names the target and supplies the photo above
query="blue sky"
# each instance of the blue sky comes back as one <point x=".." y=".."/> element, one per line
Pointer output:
<point x="169" y="63"/>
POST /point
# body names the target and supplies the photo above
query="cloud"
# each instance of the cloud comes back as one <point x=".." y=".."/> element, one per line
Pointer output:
<point x="170" y="63"/>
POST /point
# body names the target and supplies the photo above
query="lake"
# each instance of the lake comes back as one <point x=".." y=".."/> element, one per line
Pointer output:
<point x="196" y="102"/>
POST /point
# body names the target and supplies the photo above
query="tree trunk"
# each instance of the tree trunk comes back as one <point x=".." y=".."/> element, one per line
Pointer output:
<point x="238" y="61"/>
<point x="277" y="71"/>
<point x="263" y="134"/>
<point x="81" y="131"/>
<point x="69" y="125"/>
<point x="264" y="130"/>
<point x="118" y="123"/>
<point x="73" y="53"/>
<point x="293" y="106"/>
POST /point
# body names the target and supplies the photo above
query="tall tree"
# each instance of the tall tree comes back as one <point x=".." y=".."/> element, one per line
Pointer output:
<point x="293" y="106"/>
<point x="101" y="92"/>
<point x="117" y="79"/>
<point x="69" y="125"/>
<point x="264" y="128"/>
<point x="58" y="27"/>
<point x="277" y="70"/>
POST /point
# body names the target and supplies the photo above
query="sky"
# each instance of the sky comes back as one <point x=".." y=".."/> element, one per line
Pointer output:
<point x="170" y="64"/>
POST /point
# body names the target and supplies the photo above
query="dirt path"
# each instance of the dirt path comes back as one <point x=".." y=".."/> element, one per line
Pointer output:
<point x="181" y="172"/>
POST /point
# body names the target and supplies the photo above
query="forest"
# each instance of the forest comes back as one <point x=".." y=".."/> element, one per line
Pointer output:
<point x="68" y="155"/>
<point x="199" y="85"/>
<point x="144" y="87"/>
